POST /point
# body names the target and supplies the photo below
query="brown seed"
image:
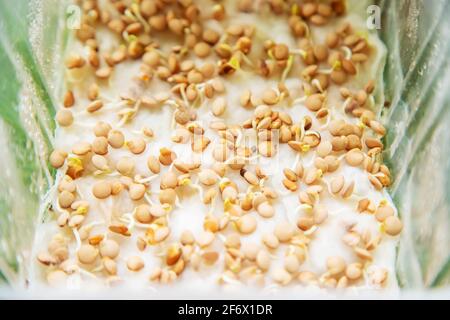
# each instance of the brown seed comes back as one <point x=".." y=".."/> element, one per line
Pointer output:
<point x="210" y="257"/>
<point x="270" y="240"/>
<point x="324" y="148"/>
<point x="337" y="184"/>
<point x="135" y="263"/>
<point x="202" y="49"/>
<point x="377" y="127"/>
<point x="207" y="177"/>
<point x="110" y="266"/>
<point x="219" y="106"/>
<point x="143" y="214"/>
<point x="250" y="177"/>
<point x="246" y="224"/>
<point x="284" y="231"/>
<point x="87" y="254"/>
<point x="375" y="182"/>
<point x="280" y="51"/>
<point x="308" y="9"/>
<point x="245" y="98"/>
<point x="75" y="61"/>
<point x="125" y="166"/>
<point x="265" y="209"/>
<point x="314" y="102"/>
<point x="332" y="40"/>
<point x="270" y="97"/>
<point x="349" y="67"/>
<point x="167" y="196"/>
<point x="100" y="145"/>
<point x="173" y="254"/>
<point x="69" y="99"/>
<point x="262" y="111"/>
<point x="94" y="106"/>
<point x="373" y="143"/>
<point x="102" y="189"/>
<point x="281" y="276"/>
<point x="311" y="175"/>
<point x="116" y="139"/>
<point x="338" y="77"/>
<point x="320" y="215"/>
<point x="168" y="180"/>
<point x="187" y="238"/>
<point x="290" y="185"/>
<point x="263" y="260"/>
<point x="205" y="238"/>
<point x="291" y="263"/>
<point x="64" y="117"/>
<point x="136" y="191"/>
<point x="81" y="148"/>
<point x="363" y="253"/>
<point x="109" y="248"/>
<point x="57" y="158"/>
<point x="102" y="129"/>
<point x="233" y="241"/>
<point x="153" y="164"/>
<point x="65" y="199"/>
<point x="348" y="190"/>
<point x="336" y="265"/>
<point x="383" y="212"/>
<point x="354" y="157"/>
<point x="321" y="52"/>
<point x="103" y="73"/>
<point x="354" y="271"/>
<point x="305" y="223"/>
<point x="332" y="163"/>
<point x="136" y="145"/>
<point x="339" y="143"/>
<point x="393" y="226"/>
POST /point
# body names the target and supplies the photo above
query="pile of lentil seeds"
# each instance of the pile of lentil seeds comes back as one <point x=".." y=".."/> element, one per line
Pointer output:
<point x="191" y="51"/>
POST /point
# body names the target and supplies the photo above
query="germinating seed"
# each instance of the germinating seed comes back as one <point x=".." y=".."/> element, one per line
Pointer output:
<point x="87" y="254"/>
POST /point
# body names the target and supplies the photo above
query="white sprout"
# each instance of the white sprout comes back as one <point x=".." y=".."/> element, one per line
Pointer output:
<point x="346" y="102"/>
<point x="198" y="188"/>
<point x="347" y="52"/>
<point x="139" y="17"/>
<point x="177" y="202"/>
<point x="288" y="68"/>
<point x="221" y="237"/>
<point x="297" y="159"/>
<point x="304" y="207"/>
<point x="77" y="238"/>
<point x="147" y="179"/>
<point x="229" y="280"/>
<point x="310" y="230"/>
<point x="317" y="84"/>
<point x="213" y="206"/>
<point x="147" y="198"/>
<point x="325" y="125"/>
<point x="300" y="100"/>
<point x="372" y="101"/>
<point x="87" y="273"/>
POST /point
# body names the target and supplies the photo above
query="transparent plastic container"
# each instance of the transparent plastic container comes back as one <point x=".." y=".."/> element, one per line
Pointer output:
<point x="33" y="38"/>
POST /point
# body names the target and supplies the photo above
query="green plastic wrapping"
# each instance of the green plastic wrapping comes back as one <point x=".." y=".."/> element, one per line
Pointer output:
<point x="32" y="42"/>
<point x="33" y="39"/>
<point x="417" y="79"/>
